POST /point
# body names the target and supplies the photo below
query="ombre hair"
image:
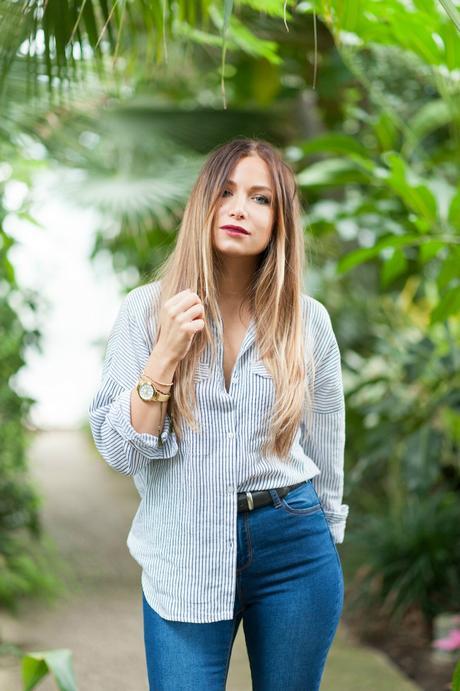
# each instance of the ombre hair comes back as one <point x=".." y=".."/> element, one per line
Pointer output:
<point x="274" y="293"/>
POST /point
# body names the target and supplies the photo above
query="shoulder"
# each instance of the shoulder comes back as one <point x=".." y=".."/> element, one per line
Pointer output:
<point x="316" y="314"/>
<point x="139" y="299"/>
<point x="318" y="325"/>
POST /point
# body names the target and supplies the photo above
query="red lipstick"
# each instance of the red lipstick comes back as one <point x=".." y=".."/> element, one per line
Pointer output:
<point x="235" y="230"/>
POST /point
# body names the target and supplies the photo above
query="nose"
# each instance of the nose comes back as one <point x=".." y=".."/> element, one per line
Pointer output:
<point x="238" y="211"/>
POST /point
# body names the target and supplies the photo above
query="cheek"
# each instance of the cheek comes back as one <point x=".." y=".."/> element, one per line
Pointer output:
<point x="221" y="211"/>
<point x="266" y="219"/>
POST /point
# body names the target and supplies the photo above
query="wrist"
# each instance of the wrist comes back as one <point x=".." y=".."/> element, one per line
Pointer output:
<point x="160" y="366"/>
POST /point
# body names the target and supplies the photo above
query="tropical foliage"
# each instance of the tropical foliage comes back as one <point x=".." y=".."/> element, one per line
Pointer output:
<point x="122" y="100"/>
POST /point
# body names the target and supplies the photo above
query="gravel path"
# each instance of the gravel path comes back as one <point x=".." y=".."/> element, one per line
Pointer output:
<point x="87" y="510"/>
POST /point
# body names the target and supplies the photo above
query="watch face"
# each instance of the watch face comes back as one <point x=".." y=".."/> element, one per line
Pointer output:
<point x="146" y="391"/>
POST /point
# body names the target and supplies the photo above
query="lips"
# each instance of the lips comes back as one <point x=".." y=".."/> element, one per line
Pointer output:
<point x="238" y="229"/>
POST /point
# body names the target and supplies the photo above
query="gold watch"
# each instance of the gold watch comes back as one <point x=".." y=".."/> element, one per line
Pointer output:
<point x="148" y="392"/>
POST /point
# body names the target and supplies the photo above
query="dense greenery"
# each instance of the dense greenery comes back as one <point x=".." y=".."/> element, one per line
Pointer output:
<point x="24" y="550"/>
<point x="375" y="145"/>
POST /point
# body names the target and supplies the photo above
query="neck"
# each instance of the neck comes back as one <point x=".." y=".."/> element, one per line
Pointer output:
<point x="235" y="278"/>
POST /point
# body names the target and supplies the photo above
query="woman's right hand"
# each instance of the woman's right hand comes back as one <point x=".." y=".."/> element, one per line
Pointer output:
<point x="181" y="317"/>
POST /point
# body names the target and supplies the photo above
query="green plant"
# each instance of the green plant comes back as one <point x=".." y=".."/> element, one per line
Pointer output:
<point x="58" y="663"/>
<point x="24" y="567"/>
<point x="27" y="557"/>
<point x="403" y="401"/>
<point x="409" y="558"/>
<point x="456" y="678"/>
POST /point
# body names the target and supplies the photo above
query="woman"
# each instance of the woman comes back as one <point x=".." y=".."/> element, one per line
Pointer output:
<point x="241" y="497"/>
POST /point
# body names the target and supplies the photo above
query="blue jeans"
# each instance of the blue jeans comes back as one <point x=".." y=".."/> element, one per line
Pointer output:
<point x="289" y="594"/>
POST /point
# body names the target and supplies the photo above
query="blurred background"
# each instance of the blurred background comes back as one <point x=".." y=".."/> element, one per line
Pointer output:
<point x="109" y="108"/>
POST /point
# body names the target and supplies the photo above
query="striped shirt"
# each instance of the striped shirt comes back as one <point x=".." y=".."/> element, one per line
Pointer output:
<point x="183" y="534"/>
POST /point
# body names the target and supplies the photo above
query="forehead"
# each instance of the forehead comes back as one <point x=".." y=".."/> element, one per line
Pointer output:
<point x="251" y="171"/>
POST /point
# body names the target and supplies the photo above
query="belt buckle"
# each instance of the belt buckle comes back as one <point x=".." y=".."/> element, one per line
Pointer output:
<point x="250" y="501"/>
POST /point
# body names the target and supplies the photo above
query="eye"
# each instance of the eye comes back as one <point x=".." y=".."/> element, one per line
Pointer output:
<point x="265" y="200"/>
<point x="262" y="196"/>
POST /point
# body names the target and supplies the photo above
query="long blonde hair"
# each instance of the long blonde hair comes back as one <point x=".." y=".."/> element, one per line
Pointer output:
<point x="275" y="291"/>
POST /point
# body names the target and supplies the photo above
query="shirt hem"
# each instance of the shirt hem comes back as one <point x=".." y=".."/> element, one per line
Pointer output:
<point x="191" y="618"/>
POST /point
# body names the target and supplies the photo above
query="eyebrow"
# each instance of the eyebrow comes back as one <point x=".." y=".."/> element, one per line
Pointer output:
<point x="253" y="187"/>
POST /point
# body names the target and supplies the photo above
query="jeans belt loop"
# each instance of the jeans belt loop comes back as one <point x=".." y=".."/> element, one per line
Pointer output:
<point x="250" y="501"/>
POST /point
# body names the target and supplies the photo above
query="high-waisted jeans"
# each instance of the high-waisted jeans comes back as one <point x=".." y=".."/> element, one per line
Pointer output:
<point x="289" y="594"/>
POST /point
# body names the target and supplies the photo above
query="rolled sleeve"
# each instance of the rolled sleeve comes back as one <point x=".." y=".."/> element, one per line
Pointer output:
<point x="121" y="446"/>
<point x="119" y="418"/>
<point x="323" y="435"/>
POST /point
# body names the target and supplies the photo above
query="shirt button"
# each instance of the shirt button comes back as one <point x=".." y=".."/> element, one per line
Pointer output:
<point x="230" y="435"/>
<point x="230" y="489"/>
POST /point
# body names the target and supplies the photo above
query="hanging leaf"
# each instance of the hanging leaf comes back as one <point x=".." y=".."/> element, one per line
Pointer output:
<point x="393" y="267"/>
<point x="430" y="117"/>
<point x="386" y="130"/>
<point x="417" y="196"/>
<point x="362" y="255"/>
<point x="333" y="171"/>
<point x="448" y="305"/>
<point x="452" y="12"/>
<point x="450" y="269"/>
<point x="334" y="141"/>
<point x="429" y="250"/>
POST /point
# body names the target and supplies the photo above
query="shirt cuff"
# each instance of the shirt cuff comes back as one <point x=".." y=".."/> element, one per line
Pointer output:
<point x="337" y="521"/>
<point x="149" y="445"/>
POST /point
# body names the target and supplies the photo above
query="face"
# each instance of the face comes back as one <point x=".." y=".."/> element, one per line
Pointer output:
<point x="248" y="202"/>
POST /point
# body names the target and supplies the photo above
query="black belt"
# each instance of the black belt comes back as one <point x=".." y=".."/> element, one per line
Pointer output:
<point x="247" y="501"/>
